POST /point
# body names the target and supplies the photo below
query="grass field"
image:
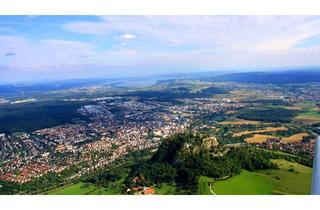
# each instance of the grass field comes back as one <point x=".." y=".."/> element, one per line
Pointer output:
<point x="306" y="105"/>
<point x="268" y="129"/>
<point x="290" y="178"/>
<point x="246" y="183"/>
<point x="278" y="152"/>
<point x="293" y="107"/>
<point x="165" y="189"/>
<point x="289" y="107"/>
<point x="203" y="185"/>
<point x="83" y="189"/>
<point x="308" y="117"/>
<point x="310" y="112"/>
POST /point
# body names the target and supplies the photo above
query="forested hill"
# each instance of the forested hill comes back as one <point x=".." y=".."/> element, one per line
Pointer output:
<point x="182" y="158"/>
<point x="283" y="77"/>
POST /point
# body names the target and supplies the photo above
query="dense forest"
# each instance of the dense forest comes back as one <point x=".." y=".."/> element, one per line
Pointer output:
<point x="174" y="94"/>
<point x="26" y="117"/>
<point x="268" y="114"/>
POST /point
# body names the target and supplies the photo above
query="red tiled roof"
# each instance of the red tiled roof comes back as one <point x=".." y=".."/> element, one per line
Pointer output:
<point x="149" y="191"/>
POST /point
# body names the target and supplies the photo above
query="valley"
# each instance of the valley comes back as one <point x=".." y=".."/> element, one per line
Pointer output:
<point x="72" y="140"/>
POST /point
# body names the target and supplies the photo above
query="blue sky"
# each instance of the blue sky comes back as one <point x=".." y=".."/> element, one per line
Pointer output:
<point x="65" y="47"/>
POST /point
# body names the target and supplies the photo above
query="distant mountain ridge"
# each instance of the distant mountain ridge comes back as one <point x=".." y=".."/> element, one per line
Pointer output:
<point x="283" y="77"/>
<point x="261" y="77"/>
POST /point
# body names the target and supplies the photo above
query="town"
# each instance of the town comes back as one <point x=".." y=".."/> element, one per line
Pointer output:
<point x="118" y="125"/>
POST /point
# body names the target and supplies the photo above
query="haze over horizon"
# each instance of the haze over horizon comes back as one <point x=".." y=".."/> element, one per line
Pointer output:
<point x="71" y="47"/>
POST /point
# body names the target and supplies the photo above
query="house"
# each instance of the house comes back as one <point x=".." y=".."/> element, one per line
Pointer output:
<point x="148" y="191"/>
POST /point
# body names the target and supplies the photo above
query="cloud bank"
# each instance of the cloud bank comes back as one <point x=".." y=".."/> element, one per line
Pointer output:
<point x="156" y="44"/>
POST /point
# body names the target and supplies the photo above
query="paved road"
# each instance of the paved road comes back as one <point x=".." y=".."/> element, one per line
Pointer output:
<point x="210" y="187"/>
<point x="214" y="180"/>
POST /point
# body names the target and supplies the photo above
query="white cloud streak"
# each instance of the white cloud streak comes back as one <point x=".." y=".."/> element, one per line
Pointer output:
<point x="226" y="32"/>
<point x="127" y="36"/>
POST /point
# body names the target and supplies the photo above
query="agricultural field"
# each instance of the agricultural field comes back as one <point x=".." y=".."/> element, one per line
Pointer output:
<point x="266" y="130"/>
<point x="310" y="117"/>
<point x="241" y="94"/>
<point x="295" y="138"/>
<point x="292" y="107"/>
<point x="310" y="112"/>
<point x="290" y="178"/>
<point x="306" y="105"/>
<point x="240" y="122"/>
<point x="259" y="139"/>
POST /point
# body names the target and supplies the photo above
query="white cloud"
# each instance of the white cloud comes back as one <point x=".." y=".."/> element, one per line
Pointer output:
<point x="53" y="54"/>
<point x="169" y="43"/>
<point x="44" y="53"/>
<point x="224" y="32"/>
<point x="127" y="36"/>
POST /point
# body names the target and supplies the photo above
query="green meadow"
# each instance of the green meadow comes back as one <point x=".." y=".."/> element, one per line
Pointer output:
<point x="203" y="185"/>
<point x="246" y="183"/>
<point x="310" y="112"/>
<point x="165" y="189"/>
<point x="85" y="189"/>
<point x="290" y="178"/>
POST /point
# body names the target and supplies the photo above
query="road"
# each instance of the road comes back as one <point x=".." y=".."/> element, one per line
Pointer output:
<point x="214" y="180"/>
<point x="210" y="187"/>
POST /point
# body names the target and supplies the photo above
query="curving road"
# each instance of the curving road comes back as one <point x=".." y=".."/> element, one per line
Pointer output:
<point x="210" y="187"/>
<point x="217" y="179"/>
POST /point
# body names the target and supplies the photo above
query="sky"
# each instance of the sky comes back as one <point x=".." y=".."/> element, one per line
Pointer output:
<point x="67" y="47"/>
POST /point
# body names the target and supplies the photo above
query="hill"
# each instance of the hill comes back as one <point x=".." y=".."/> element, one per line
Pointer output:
<point x="283" y="77"/>
<point x="182" y="158"/>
